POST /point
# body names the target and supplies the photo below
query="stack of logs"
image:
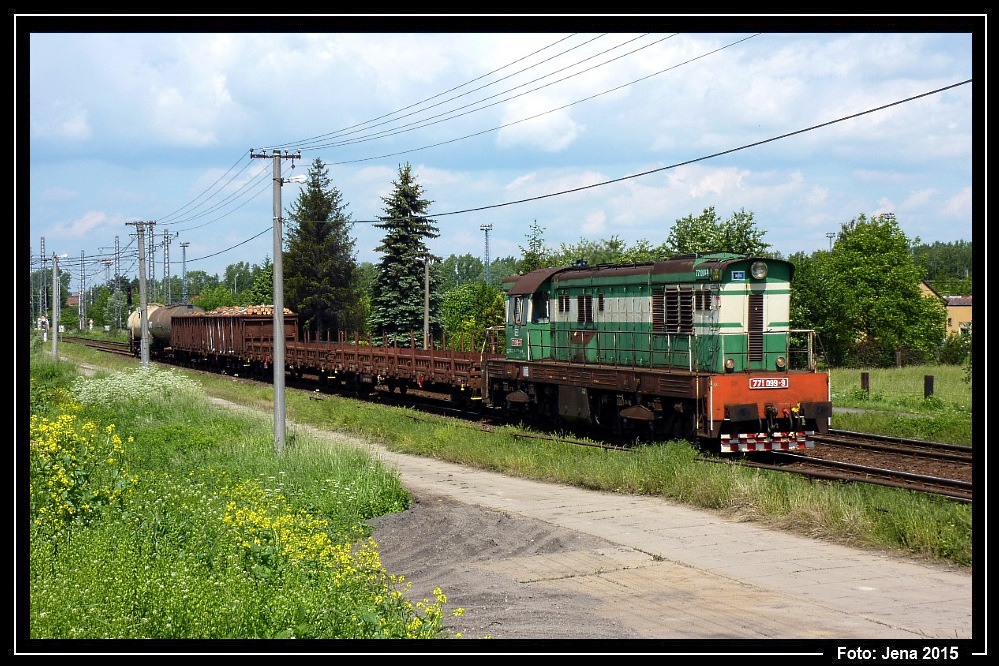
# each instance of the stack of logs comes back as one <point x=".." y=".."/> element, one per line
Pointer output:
<point x="246" y="310"/>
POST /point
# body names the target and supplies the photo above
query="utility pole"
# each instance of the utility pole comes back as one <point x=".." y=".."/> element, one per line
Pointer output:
<point x="830" y="235"/>
<point x="167" y="296"/>
<point x="426" y="300"/>
<point x="183" y="269"/>
<point x="278" y="360"/>
<point x="81" y="306"/>
<point x="152" y="260"/>
<point x="487" y="228"/>
<point x="55" y="306"/>
<point x="143" y="325"/>
<point x="43" y="304"/>
<point x="117" y="284"/>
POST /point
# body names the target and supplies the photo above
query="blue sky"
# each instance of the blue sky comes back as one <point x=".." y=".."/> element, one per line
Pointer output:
<point x="805" y="123"/>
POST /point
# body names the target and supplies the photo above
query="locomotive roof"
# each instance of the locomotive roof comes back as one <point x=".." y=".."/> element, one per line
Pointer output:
<point x="528" y="283"/>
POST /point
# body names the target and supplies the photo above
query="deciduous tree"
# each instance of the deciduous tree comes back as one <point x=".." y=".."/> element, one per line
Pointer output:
<point x="535" y="255"/>
<point x="873" y="306"/>
<point x="456" y="270"/>
<point x="708" y="233"/>
<point x="468" y="310"/>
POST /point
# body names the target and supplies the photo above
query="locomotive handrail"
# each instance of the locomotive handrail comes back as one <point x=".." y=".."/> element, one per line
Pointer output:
<point x="678" y="350"/>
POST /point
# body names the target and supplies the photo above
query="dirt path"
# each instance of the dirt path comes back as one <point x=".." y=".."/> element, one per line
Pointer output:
<point x="472" y="554"/>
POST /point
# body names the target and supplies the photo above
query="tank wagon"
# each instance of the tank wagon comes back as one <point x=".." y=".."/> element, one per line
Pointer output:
<point x="698" y="345"/>
<point x="159" y="319"/>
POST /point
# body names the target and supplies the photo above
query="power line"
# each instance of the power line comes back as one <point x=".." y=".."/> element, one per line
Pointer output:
<point x="707" y="157"/>
<point x="217" y="186"/>
<point x="665" y="168"/>
<point x="445" y="115"/>
<point x="261" y="180"/>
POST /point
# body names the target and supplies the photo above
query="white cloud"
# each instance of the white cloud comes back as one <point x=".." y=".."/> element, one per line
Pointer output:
<point x="550" y="132"/>
<point x="81" y="227"/>
<point x="699" y="182"/>
<point x="65" y="121"/>
<point x="959" y="205"/>
<point x="595" y="224"/>
<point x="60" y="194"/>
<point x="201" y="100"/>
<point x="919" y="199"/>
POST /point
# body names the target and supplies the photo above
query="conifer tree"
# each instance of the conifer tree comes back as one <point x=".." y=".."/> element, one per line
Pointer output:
<point x="397" y="298"/>
<point x="320" y="266"/>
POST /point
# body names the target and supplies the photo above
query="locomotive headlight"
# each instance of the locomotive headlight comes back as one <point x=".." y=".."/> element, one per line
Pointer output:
<point x="729" y="364"/>
<point x="758" y="270"/>
<point x="781" y="362"/>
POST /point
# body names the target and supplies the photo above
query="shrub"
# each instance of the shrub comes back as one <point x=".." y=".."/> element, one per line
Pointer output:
<point x="956" y="349"/>
<point x="75" y="469"/>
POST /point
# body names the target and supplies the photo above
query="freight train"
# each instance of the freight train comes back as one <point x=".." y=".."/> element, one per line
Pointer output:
<point x="698" y="346"/>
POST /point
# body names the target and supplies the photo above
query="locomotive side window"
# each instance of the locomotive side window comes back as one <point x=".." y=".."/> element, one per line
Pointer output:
<point x="584" y="311"/>
<point x="600" y="302"/>
<point x="517" y="315"/>
<point x="563" y="302"/>
<point x="539" y="308"/>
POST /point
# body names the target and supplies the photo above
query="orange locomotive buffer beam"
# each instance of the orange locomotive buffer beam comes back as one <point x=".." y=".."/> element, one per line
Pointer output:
<point x="788" y="394"/>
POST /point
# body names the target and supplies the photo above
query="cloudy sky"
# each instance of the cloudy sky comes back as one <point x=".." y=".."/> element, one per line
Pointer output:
<point x="591" y="127"/>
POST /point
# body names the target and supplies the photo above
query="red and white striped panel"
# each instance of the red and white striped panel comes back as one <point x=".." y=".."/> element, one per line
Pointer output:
<point x="761" y="441"/>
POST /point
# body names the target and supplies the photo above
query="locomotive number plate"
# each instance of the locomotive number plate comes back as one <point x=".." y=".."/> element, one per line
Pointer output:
<point x="516" y="342"/>
<point x="769" y="382"/>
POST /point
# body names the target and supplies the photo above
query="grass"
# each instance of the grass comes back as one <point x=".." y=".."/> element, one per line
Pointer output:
<point x="193" y="462"/>
<point x="894" y="402"/>
<point x="154" y="515"/>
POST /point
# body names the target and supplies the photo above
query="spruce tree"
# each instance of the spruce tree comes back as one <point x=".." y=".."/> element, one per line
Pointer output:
<point x="320" y="266"/>
<point x="397" y="298"/>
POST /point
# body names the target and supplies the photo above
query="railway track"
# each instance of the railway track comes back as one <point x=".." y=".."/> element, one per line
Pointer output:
<point x="926" y="467"/>
<point x="109" y="346"/>
<point x="897" y="445"/>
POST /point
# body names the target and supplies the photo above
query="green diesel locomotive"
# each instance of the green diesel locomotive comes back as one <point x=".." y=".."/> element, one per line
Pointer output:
<point x="699" y="345"/>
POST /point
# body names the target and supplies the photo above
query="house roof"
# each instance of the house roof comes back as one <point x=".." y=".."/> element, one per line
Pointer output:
<point x="957" y="300"/>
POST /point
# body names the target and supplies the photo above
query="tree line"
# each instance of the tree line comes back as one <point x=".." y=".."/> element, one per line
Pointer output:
<point x="862" y="294"/>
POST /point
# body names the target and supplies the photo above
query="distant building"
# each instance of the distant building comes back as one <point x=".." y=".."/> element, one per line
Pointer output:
<point x="958" y="309"/>
<point x="73" y="300"/>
